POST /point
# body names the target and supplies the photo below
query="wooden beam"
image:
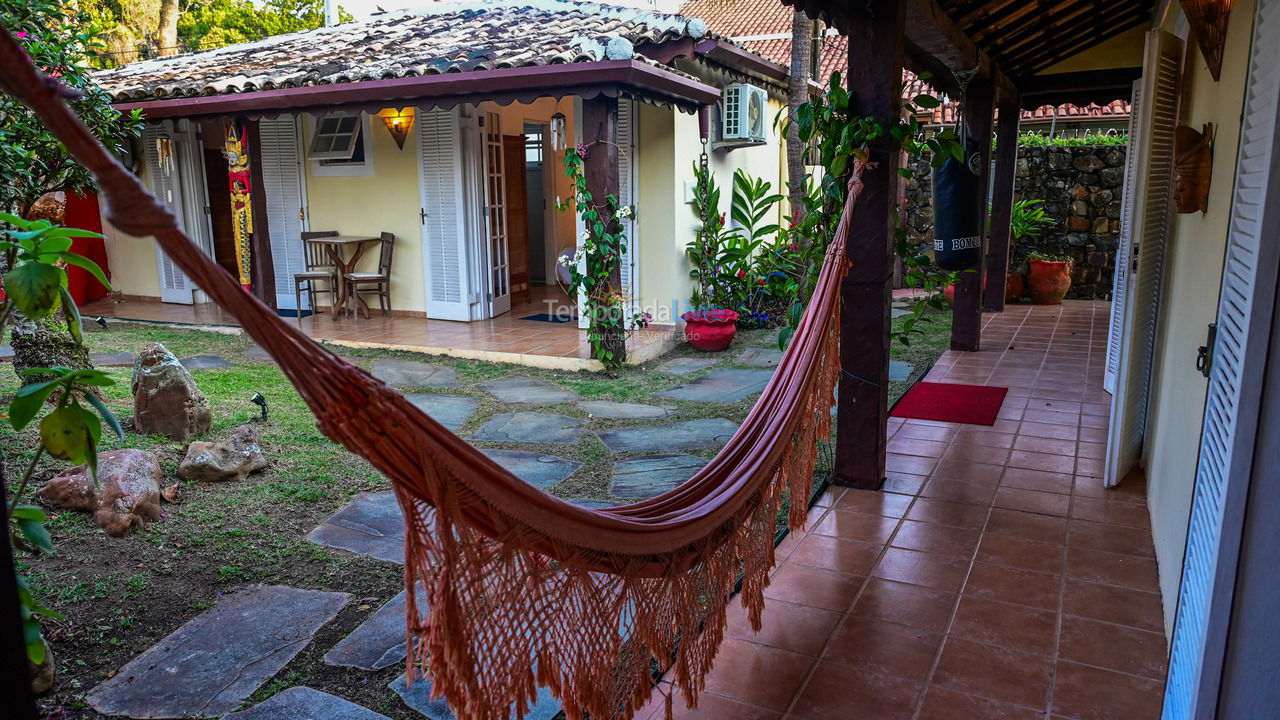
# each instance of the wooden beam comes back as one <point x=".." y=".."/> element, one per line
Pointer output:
<point x="966" y="317"/>
<point x="262" y="275"/>
<point x="932" y="30"/>
<point x="1000" y="244"/>
<point x="876" y="45"/>
<point x="1035" y="62"/>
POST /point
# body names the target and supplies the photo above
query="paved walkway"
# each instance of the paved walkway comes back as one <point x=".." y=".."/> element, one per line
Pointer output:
<point x="994" y="578"/>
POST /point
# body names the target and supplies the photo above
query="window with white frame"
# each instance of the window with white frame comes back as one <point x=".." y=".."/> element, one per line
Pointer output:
<point x="340" y="145"/>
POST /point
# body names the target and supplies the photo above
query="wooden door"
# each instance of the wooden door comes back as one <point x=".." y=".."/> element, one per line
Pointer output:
<point x="224" y="242"/>
<point x="517" y="214"/>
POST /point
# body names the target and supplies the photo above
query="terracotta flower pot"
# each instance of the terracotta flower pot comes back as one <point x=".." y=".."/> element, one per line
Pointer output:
<point x="949" y="294"/>
<point x="1014" y="286"/>
<point x="710" y="330"/>
<point x="1049" y="281"/>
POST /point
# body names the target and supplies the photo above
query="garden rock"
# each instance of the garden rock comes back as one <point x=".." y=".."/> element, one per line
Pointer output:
<point x="126" y="497"/>
<point x="166" y="400"/>
<point x="232" y="459"/>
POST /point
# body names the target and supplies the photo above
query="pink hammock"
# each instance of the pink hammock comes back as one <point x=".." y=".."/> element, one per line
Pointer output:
<point x="525" y="589"/>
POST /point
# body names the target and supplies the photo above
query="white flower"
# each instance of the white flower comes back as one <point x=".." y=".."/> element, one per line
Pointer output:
<point x="625" y="211"/>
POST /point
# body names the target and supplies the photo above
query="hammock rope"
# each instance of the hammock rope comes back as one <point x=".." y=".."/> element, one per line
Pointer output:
<point x="525" y="589"/>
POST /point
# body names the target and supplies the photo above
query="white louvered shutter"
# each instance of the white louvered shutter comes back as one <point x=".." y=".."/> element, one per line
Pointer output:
<point x="282" y="180"/>
<point x="443" y="214"/>
<point x="627" y="185"/>
<point x="1228" y="441"/>
<point x="1120" y="283"/>
<point x="1150" y="228"/>
<point x="161" y="156"/>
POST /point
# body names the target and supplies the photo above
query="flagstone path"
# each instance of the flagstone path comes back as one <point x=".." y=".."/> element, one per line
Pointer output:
<point x="541" y="471"/>
<point x="451" y="411"/>
<point x="761" y="357"/>
<point x="725" y="386"/>
<point x="219" y="658"/>
<point x="410" y="373"/>
<point x="114" y="359"/>
<point x="418" y="697"/>
<point x="624" y="411"/>
<point x="708" y="432"/>
<point x="646" y="476"/>
<point x="686" y="365"/>
<point x="525" y="390"/>
<point x="899" y="370"/>
<point x="205" y="362"/>
<point x="378" y="642"/>
<point x="371" y="525"/>
<point x="303" y="703"/>
<point x="530" y="427"/>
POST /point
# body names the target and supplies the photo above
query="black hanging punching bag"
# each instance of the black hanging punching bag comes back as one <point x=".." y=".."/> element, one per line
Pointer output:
<point x="958" y="211"/>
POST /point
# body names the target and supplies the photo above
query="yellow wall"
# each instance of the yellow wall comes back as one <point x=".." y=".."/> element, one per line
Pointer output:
<point x="1192" y="282"/>
<point x="1121" y="51"/>
<point x="132" y="262"/>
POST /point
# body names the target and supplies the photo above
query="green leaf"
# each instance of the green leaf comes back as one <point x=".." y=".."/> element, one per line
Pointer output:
<point x="34" y="288"/>
<point x="30" y="512"/>
<point x="112" y="421"/>
<point x="81" y="261"/>
<point x="73" y="315"/>
<point x="65" y="434"/>
<point x="26" y="403"/>
<point x="927" y="102"/>
<point x="36" y="534"/>
<point x="35" y="642"/>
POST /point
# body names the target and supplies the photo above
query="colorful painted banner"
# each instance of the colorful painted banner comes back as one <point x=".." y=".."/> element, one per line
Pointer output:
<point x="237" y="153"/>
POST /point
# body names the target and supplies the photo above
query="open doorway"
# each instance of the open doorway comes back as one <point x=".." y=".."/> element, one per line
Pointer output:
<point x="212" y="134"/>
<point x="532" y="243"/>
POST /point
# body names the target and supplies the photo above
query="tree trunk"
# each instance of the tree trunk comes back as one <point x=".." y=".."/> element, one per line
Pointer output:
<point x="168" y="27"/>
<point x="45" y="344"/>
<point x="797" y="95"/>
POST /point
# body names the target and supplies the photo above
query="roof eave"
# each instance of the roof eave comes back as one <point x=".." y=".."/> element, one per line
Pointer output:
<point x="446" y="89"/>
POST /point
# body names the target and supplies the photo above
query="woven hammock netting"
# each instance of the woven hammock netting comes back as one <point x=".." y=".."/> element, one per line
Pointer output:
<point x="524" y="589"/>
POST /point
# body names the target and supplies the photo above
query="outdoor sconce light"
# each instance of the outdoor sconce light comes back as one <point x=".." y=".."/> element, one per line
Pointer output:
<point x="559" y="132"/>
<point x="1208" y="21"/>
<point x="398" y="123"/>
<point x="261" y="402"/>
<point x="102" y="322"/>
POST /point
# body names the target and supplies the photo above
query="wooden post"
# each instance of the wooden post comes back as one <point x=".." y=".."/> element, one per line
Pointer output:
<point x="966" y="319"/>
<point x="600" y="136"/>
<point x="262" y="275"/>
<point x="1000" y="244"/>
<point x="876" y="40"/>
<point x="15" y="682"/>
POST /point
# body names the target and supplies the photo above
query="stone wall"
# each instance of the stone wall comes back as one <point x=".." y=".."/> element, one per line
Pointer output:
<point x="1080" y="187"/>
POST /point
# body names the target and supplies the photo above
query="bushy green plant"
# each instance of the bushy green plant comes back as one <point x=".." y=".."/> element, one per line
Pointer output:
<point x="1033" y="139"/>
<point x="1028" y="218"/>
<point x="1048" y="257"/>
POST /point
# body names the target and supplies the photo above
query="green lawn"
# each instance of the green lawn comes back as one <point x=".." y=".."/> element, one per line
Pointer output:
<point x="122" y="595"/>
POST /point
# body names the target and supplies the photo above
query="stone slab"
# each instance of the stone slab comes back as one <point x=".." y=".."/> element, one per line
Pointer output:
<point x="205" y="362"/>
<point x="532" y="427"/>
<point x="685" y="365"/>
<point x="115" y="359"/>
<point x="451" y="411"/>
<point x="651" y="475"/>
<point x="411" y="373"/>
<point x="896" y="313"/>
<point x="899" y="370"/>
<point x="379" y="641"/>
<point x="540" y="471"/>
<point x="6" y="353"/>
<point x="372" y="525"/>
<point x="624" y="411"/>
<point x="258" y="354"/>
<point x="418" y="697"/>
<point x="761" y="357"/>
<point x="211" y="664"/>
<point x="304" y="703"/>
<point x="525" y="390"/>
<point x="725" y="386"/>
<point x="707" y="432"/>
<point x="591" y="504"/>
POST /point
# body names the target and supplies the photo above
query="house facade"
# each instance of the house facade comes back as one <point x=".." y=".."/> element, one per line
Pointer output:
<point x="485" y="100"/>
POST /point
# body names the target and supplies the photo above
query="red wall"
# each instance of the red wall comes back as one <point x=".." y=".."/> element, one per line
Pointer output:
<point x="82" y="212"/>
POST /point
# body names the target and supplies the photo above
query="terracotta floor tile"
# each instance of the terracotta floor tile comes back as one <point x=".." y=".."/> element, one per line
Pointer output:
<point x="959" y="492"/>
<point x="903" y="483"/>
<point x="972" y="472"/>
<point x="905" y="604"/>
<point x="788" y="545"/>
<point x="1051" y="418"/>
<point x="847" y="692"/>
<point x="833" y="553"/>
<point x="757" y="675"/>
<point x="1090" y="466"/>
<point x="948" y="513"/>
<point x="1093" y="450"/>
<point x="1115" y="513"/>
<point x="1110" y="538"/>
<point x="1094" y="421"/>
<point x="969" y="453"/>
<point x="787" y="626"/>
<point x="1037" y="480"/>
<point x="716" y="707"/>
<point x="1086" y="693"/>
<point x="925" y="432"/>
<point x="1052" y="446"/>
<point x="909" y="464"/>
<point x="884" y="648"/>
<point x="1012" y="626"/>
<point x="872" y="502"/>
<point x="1045" y="528"/>
<point x="1093" y="435"/>
<point x="941" y="572"/>
<point x="1115" y="647"/>
<point x="917" y="446"/>
<point x="1091" y="486"/>
<point x="1033" y="501"/>
<point x="1113" y="569"/>
<point x="986" y="438"/>
<point x="856" y="526"/>
<point x="1042" y="461"/>
<point x="1047" y="430"/>
<point x="1021" y="553"/>
<point x="814" y="587"/>
<point x="943" y="704"/>
<point x="930" y="537"/>
<point x="993" y="672"/>
<point x="1134" y="608"/>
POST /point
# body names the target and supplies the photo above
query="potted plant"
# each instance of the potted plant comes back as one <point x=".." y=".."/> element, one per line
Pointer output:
<point x="1028" y="219"/>
<point x="710" y="330"/>
<point x="1049" y="278"/>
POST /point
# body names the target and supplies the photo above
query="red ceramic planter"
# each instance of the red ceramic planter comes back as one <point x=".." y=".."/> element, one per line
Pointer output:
<point x="710" y="330"/>
<point x="1049" y="281"/>
<point x="1014" y="285"/>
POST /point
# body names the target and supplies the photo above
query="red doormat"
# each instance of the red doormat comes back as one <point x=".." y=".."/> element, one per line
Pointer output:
<point x="949" y="402"/>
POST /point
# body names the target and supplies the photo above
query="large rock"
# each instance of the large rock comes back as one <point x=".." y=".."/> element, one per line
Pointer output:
<point x="126" y="497"/>
<point x="166" y="400"/>
<point x="231" y="459"/>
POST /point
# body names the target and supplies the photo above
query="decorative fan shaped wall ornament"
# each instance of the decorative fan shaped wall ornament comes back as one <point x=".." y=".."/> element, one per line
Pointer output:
<point x="1208" y="20"/>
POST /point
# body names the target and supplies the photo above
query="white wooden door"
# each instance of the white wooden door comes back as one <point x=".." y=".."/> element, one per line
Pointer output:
<point x="284" y="196"/>
<point x="1246" y="311"/>
<point x="496" y="221"/>
<point x="161" y="155"/>
<point x="1120" y="284"/>
<point x="442" y="191"/>
<point x="627" y="185"/>
<point x="1150" y="226"/>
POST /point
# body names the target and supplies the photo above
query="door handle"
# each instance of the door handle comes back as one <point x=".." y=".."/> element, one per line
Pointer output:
<point x="1204" y="355"/>
<point x="422" y="213"/>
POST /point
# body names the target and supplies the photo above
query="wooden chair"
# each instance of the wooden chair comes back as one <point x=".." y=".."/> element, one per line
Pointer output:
<point x="320" y="268"/>
<point x="378" y="282"/>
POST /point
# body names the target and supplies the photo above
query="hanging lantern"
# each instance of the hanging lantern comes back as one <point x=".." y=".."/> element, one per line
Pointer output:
<point x="398" y="122"/>
<point x="559" y="132"/>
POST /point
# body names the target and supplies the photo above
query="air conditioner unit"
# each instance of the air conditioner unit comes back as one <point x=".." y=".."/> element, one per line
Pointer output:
<point x="742" y="115"/>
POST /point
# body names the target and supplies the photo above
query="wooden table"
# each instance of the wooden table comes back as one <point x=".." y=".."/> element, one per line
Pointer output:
<point x="333" y="246"/>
